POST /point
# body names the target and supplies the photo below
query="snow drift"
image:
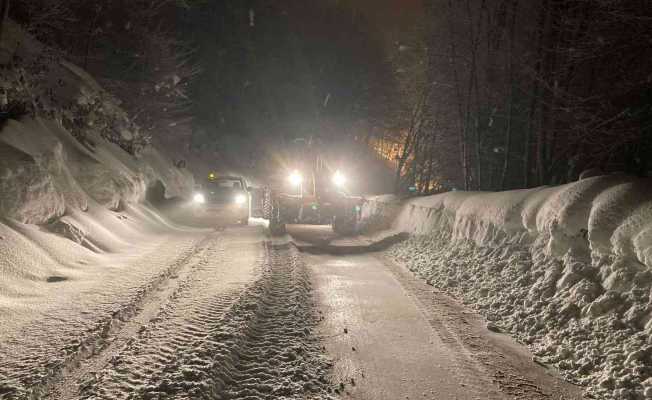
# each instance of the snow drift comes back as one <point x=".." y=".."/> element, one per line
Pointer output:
<point x="78" y="241"/>
<point x="83" y="186"/>
<point x="45" y="171"/>
<point x="567" y="269"/>
<point x="65" y="142"/>
<point x="603" y="215"/>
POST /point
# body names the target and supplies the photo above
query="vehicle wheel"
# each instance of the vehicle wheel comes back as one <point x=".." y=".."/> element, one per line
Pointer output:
<point x="267" y="204"/>
<point x="276" y="224"/>
<point x="344" y="226"/>
<point x="276" y="228"/>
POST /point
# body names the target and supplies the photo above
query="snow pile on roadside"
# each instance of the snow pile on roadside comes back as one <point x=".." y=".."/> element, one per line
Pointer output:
<point x="46" y="172"/>
<point x="65" y="143"/>
<point x="74" y="177"/>
<point x="378" y="212"/>
<point x="73" y="229"/>
<point x="566" y="269"/>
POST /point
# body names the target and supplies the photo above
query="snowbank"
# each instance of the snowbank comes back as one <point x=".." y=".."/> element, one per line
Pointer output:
<point x="78" y="242"/>
<point x="45" y="172"/>
<point x="65" y="141"/>
<point x="604" y="215"/>
<point x="73" y="226"/>
<point x="566" y="269"/>
<point x="378" y="212"/>
<point x="63" y="200"/>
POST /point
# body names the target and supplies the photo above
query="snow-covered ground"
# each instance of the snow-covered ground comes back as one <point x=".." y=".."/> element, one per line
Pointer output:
<point x="79" y="246"/>
<point x="102" y="295"/>
<point x="565" y="269"/>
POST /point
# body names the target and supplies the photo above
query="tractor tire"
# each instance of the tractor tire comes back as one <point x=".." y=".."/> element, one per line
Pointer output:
<point x="276" y="224"/>
<point x="344" y="226"/>
<point x="267" y="204"/>
<point x="276" y="228"/>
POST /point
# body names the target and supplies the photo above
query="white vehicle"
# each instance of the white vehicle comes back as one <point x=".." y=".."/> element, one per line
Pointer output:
<point x="224" y="199"/>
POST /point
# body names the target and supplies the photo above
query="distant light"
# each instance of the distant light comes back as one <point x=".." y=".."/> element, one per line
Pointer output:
<point x="199" y="198"/>
<point x="295" y="178"/>
<point x="240" y="199"/>
<point x="339" y="179"/>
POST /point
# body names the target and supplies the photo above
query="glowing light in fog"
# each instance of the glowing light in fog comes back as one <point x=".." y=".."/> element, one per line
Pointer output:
<point x="296" y="178"/>
<point x="240" y="199"/>
<point x="339" y="179"/>
<point x="199" y="198"/>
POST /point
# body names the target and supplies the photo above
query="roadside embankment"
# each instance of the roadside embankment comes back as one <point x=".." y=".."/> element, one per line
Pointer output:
<point x="565" y="269"/>
<point x="79" y="244"/>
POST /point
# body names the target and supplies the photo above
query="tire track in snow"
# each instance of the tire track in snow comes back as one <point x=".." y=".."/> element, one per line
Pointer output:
<point x="279" y="357"/>
<point x="53" y="350"/>
<point x="250" y="340"/>
<point x="126" y="327"/>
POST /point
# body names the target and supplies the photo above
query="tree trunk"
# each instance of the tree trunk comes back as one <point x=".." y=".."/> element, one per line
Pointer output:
<point x="460" y="106"/>
<point x="416" y="124"/>
<point x="552" y="77"/>
<point x="4" y="13"/>
<point x="473" y="98"/>
<point x="90" y="35"/>
<point x="547" y="76"/>
<point x="510" y="94"/>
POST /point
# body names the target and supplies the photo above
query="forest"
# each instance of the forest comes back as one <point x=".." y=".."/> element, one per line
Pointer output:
<point x="513" y="94"/>
<point x="475" y="95"/>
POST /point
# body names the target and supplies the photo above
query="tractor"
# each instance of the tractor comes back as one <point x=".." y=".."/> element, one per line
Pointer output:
<point x="308" y="190"/>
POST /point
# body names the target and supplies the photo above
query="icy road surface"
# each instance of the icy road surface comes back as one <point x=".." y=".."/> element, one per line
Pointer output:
<point x="231" y="314"/>
<point x="394" y="337"/>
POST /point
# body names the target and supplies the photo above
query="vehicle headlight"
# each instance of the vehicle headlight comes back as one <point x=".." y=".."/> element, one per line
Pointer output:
<point x="339" y="179"/>
<point x="295" y="178"/>
<point x="240" y="199"/>
<point x="199" y="198"/>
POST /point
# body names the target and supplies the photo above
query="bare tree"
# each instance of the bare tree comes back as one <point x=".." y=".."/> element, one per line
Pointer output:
<point x="4" y="12"/>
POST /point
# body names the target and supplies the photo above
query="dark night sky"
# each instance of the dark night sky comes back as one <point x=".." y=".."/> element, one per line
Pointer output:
<point x="391" y="14"/>
<point x="267" y="83"/>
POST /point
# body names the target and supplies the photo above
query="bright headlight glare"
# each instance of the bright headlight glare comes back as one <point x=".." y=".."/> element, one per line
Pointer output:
<point x="295" y="178"/>
<point x="240" y="199"/>
<point x="199" y="198"/>
<point x="339" y="179"/>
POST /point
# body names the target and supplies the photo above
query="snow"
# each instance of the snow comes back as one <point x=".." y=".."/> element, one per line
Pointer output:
<point x="608" y="214"/>
<point x="378" y="212"/>
<point x="62" y="202"/>
<point x="78" y="239"/>
<point x="48" y="172"/>
<point x="77" y="243"/>
<point x="566" y="269"/>
<point x="90" y="273"/>
<point x="236" y="328"/>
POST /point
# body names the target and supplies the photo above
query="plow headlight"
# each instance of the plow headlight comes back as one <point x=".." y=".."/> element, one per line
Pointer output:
<point x="240" y="199"/>
<point x="295" y="178"/>
<point x="199" y="198"/>
<point x="339" y="179"/>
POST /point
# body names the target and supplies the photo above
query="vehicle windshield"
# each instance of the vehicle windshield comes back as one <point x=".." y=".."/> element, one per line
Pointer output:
<point x="225" y="184"/>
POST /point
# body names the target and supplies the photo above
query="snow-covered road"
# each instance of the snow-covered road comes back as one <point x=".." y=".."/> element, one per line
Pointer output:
<point x="230" y="314"/>
<point x="392" y="336"/>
